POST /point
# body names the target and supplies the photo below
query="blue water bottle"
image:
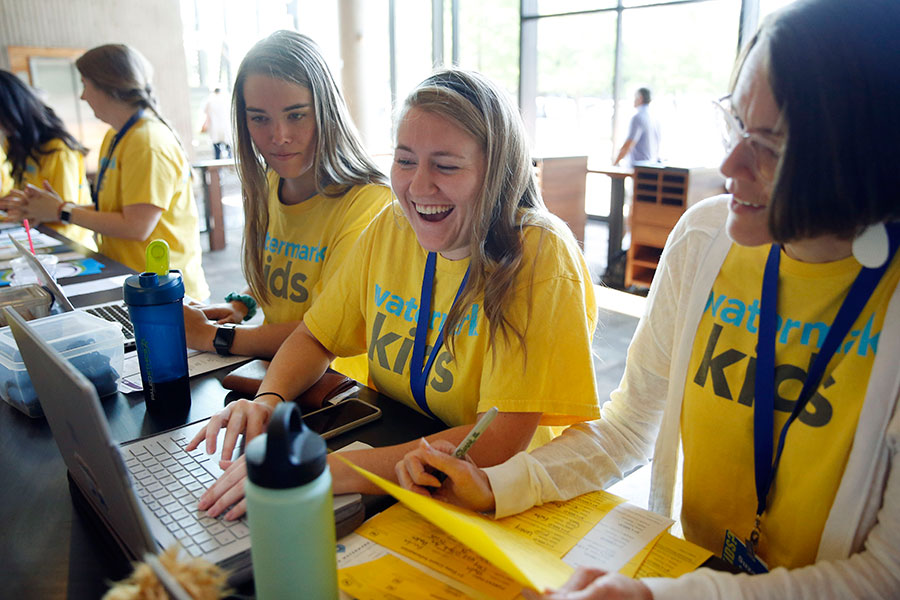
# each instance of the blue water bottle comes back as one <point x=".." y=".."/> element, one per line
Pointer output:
<point x="290" y="511"/>
<point x="154" y="300"/>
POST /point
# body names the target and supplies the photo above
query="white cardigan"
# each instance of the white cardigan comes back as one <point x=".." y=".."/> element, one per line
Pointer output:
<point x="859" y="553"/>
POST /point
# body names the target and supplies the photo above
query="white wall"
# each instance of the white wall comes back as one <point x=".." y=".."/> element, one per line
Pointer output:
<point x="151" y="26"/>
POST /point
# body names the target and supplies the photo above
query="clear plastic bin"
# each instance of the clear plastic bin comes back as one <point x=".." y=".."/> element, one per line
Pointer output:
<point x="31" y="301"/>
<point x="93" y="345"/>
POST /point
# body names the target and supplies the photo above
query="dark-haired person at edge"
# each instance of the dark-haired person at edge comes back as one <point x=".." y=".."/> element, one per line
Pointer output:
<point x="143" y="188"/>
<point x="39" y="148"/>
<point x="466" y="294"/>
<point x="767" y="357"/>
<point x="309" y="190"/>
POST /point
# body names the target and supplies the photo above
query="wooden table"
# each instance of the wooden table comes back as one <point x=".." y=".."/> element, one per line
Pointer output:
<point x="212" y="199"/>
<point x="614" y="276"/>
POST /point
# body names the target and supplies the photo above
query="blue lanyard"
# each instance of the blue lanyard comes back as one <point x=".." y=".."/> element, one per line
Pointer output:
<point x="764" y="403"/>
<point x="112" y="146"/>
<point x="418" y="375"/>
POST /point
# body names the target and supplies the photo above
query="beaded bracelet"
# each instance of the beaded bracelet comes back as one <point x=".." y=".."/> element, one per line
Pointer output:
<point x="277" y="395"/>
<point x="246" y="300"/>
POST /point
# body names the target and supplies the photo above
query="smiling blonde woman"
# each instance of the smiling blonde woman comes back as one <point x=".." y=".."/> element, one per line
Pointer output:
<point x="467" y="295"/>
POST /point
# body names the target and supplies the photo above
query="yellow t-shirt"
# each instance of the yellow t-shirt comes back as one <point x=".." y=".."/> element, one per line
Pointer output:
<point x="64" y="169"/>
<point x="371" y="306"/>
<point x="304" y="246"/>
<point x="148" y="166"/>
<point x="6" y="182"/>
<point x="717" y="414"/>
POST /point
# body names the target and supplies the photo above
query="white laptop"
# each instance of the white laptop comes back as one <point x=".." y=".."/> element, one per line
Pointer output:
<point x="145" y="491"/>
<point x="115" y="311"/>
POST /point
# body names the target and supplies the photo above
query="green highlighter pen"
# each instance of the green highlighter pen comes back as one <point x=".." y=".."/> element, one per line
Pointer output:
<point x="463" y="448"/>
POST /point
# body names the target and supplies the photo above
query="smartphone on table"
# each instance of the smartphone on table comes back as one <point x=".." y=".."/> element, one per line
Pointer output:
<point x="339" y="418"/>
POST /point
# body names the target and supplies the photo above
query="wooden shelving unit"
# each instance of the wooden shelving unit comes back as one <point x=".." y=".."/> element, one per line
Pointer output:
<point x="661" y="195"/>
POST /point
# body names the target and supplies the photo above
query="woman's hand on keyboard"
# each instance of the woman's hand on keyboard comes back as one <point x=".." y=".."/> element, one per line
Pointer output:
<point x="246" y="417"/>
<point x="228" y="490"/>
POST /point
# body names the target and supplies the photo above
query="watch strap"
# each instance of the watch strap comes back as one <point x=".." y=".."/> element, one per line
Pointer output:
<point x="65" y="212"/>
<point x="224" y="339"/>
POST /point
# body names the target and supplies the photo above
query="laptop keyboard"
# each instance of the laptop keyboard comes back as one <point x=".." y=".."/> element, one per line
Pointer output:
<point x="116" y="313"/>
<point x="170" y="481"/>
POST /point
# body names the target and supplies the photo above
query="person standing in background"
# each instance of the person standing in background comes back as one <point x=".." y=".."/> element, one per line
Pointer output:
<point x="217" y="124"/>
<point x="642" y="143"/>
<point x="143" y="188"/>
<point x="37" y="148"/>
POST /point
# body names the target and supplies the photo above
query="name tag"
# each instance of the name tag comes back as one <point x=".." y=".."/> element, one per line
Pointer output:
<point x="736" y="552"/>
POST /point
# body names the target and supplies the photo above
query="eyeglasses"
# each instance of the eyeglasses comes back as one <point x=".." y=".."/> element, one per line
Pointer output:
<point x="766" y="150"/>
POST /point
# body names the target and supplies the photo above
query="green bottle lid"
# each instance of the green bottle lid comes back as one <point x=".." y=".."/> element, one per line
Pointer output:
<point x="158" y="257"/>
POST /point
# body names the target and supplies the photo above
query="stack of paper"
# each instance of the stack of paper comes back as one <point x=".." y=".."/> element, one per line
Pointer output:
<point x="407" y="550"/>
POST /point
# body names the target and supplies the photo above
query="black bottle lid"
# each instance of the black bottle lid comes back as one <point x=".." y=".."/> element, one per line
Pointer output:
<point x="289" y="455"/>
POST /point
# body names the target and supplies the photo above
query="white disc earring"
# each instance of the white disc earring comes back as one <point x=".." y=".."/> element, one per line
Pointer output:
<point x="872" y="246"/>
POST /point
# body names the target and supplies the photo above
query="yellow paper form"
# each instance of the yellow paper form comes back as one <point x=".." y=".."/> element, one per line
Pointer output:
<point x="405" y="532"/>
<point x="672" y="557"/>
<point x="529" y="564"/>
<point x="389" y="578"/>
<point x="631" y="567"/>
<point x="558" y="526"/>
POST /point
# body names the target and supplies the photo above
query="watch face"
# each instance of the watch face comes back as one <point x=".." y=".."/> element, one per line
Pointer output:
<point x="224" y="339"/>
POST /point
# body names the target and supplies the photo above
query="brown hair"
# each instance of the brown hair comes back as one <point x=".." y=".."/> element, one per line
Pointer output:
<point x="124" y="74"/>
<point x="833" y="70"/>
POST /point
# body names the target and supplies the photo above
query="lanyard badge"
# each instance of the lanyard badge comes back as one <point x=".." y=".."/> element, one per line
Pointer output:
<point x="765" y="459"/>
<point x="418" y="374"/>
<point x="112" y="146"/>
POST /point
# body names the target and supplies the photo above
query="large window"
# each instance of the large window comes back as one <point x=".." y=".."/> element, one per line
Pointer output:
<point x="488" y="36"/>
<point x="574" y="100"/>
<point x="684" y="54"/>
<point x="577" y="90"/>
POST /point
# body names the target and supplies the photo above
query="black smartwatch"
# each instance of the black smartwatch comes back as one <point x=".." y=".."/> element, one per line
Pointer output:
<point x="65" y="212"/>
<point x="224" y="339"/>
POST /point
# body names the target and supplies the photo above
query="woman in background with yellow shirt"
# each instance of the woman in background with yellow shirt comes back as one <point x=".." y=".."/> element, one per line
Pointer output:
<point x="38" y="148"/>
<point x="143" y="188"/>
<point x="309" y="190"/>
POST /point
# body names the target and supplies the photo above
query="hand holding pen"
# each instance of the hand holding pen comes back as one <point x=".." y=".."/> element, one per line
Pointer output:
<point x="463" y="448"/>
<point x="425" y="469"/>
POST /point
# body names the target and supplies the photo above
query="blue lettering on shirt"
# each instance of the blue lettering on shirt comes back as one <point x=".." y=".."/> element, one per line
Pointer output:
<point x="736" y="313"/>
<point x="408" y="310"/>
<point x="291" y="250"/>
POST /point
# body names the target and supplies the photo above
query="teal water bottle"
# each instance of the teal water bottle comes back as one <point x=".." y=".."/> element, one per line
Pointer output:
<point x="290" y="511"/>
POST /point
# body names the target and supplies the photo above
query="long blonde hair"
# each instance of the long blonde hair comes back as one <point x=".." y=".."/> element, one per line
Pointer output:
<point x="509" y="199"/>
<point x="340" y="160"/>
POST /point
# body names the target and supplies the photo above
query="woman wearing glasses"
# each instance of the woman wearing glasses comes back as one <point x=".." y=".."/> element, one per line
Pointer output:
<point x="767" y="359"/>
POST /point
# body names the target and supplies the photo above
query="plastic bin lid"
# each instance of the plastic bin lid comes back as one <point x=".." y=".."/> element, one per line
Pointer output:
<point x="70" y="333"/>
